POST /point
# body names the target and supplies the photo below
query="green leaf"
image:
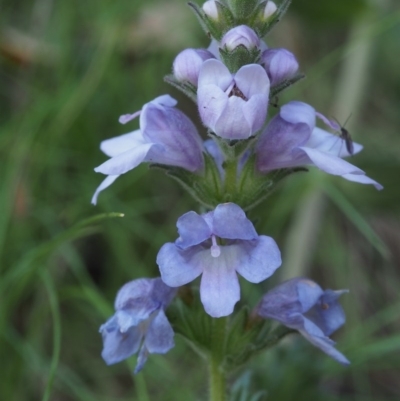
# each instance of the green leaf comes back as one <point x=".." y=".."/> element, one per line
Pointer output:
<point x="34" y="261"/>
<point x="357" y="219"/>
<point x="285" y="84"/>
<point x="185" y="87"/>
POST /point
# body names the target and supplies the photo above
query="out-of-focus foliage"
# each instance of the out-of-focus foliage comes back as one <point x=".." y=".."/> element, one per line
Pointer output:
<point x="68" y="69"/>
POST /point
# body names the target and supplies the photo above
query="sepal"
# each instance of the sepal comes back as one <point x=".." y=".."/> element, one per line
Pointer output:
<point x="285" y="84"/>
<point x="232" y="149"/>
<point x="247" y="338"/>
<point x="205" y="188"/>
<point x="244" y="338"/>
<point x="192" y="323"/>
<point x="254" y="188"/>
<point x="185" y="87"/>
<point x="238" y="57"/>
<point x="214" y="27"/>
<point x="242" y="9"/>
<point x="263" y="25"/>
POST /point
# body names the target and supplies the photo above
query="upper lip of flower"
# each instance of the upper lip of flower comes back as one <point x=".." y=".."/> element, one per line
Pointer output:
<point x="233" y="106"/>
<point x="291" y="139"/>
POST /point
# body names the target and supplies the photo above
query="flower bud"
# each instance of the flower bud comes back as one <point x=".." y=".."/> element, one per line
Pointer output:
<point x="240" y="35"/>
<point x="280" y="64"/>
<point x="187" y="64"/>
<point x="210" y="9"/>
<point x="269" y="9"/>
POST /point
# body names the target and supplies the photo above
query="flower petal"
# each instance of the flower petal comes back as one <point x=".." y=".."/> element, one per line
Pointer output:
<point x="329" y="163"/>
<point x="193" y="230"/>
<point x="214" y="72"/>
<point x="130" y="318"/>
<point x="135" y="289"/>
<point x="288" y="300"/>
<point x="252" y="80"/>
<point x="126" y="161"/>
<point x="180" y="143"/>
<point x="104" y="184"/>
<point x="212" y="100"/>
<point x="330" y="143"/>
<point x="232" y="122"/>
<point x="296" y="112"/>
<point x="275" y="146"/>
<point x="309" y="293"/>
<point x="164" y="100"/>
<point x="255" y="111"/>
<point x="120" y="144"/>
<point x="362" y="179"/>
<point x="325" y="344"/>
<point x="219" y="288"/>
<point x="327" y="313"/>
<point x="230" y="222"/>
<point x="176" y="266"/>
<point x="118" y="346"/>
<point x="258" y="259"/>
<point x="160" y="336"/>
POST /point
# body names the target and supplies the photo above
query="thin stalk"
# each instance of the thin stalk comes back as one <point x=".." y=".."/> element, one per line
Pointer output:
<point x="230" y="177"/>
<point x="217" y="375"/>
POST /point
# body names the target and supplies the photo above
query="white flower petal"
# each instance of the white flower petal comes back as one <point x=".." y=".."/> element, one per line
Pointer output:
<point x="120" y="144"/>
<point x="252" y="80"/>
<point x="214" y="72"/>
<point x="219" y="288"/>
<point x="126" y="161"/>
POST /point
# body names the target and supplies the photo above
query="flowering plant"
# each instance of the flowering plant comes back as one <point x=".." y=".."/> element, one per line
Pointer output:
<point x="248" y="153"/>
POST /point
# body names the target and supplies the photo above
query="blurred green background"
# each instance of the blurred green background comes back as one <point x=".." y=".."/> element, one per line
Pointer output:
<point x="68" y="69"/>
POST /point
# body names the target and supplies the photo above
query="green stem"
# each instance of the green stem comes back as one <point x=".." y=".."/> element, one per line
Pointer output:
<point x="217" y="375"/>
<point x="230" y="177"/>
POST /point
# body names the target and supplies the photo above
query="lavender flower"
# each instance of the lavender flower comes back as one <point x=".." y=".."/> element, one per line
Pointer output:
<point x="270" y="9"/>
<point x="166" y="136"/>
<point x="211" y="10"/>
<point x="280" y="64"/>
<point x="139" y="323"/>
<point x="240" y="36"/>
<point x="232" y="106"/>
<point x="218" y="245"/>
<point x="291" y="139"/>
<point x="302" y="305"/>
<point x="187" y="64"/>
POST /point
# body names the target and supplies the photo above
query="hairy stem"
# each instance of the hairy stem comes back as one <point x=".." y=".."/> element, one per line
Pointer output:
<point x="217" y="375"/>
<point x="230" y="178"/>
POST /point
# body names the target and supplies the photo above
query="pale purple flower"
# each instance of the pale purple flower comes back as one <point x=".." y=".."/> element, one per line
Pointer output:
<point x="302" y="305"/>
<point x="187" y="64"/>
<point x="232" y="106"/>
<point x="139" y="323"/>
<point x="210" y="9"/>
<point x="280" y="65"/>
<point x="214" y="48"/>
<point x="291" y="139"/>
<point x="240" y="35"/>
<point x="166" y="136"/>
<point x="218" y="245"/>
<point x="270" y="9"/>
